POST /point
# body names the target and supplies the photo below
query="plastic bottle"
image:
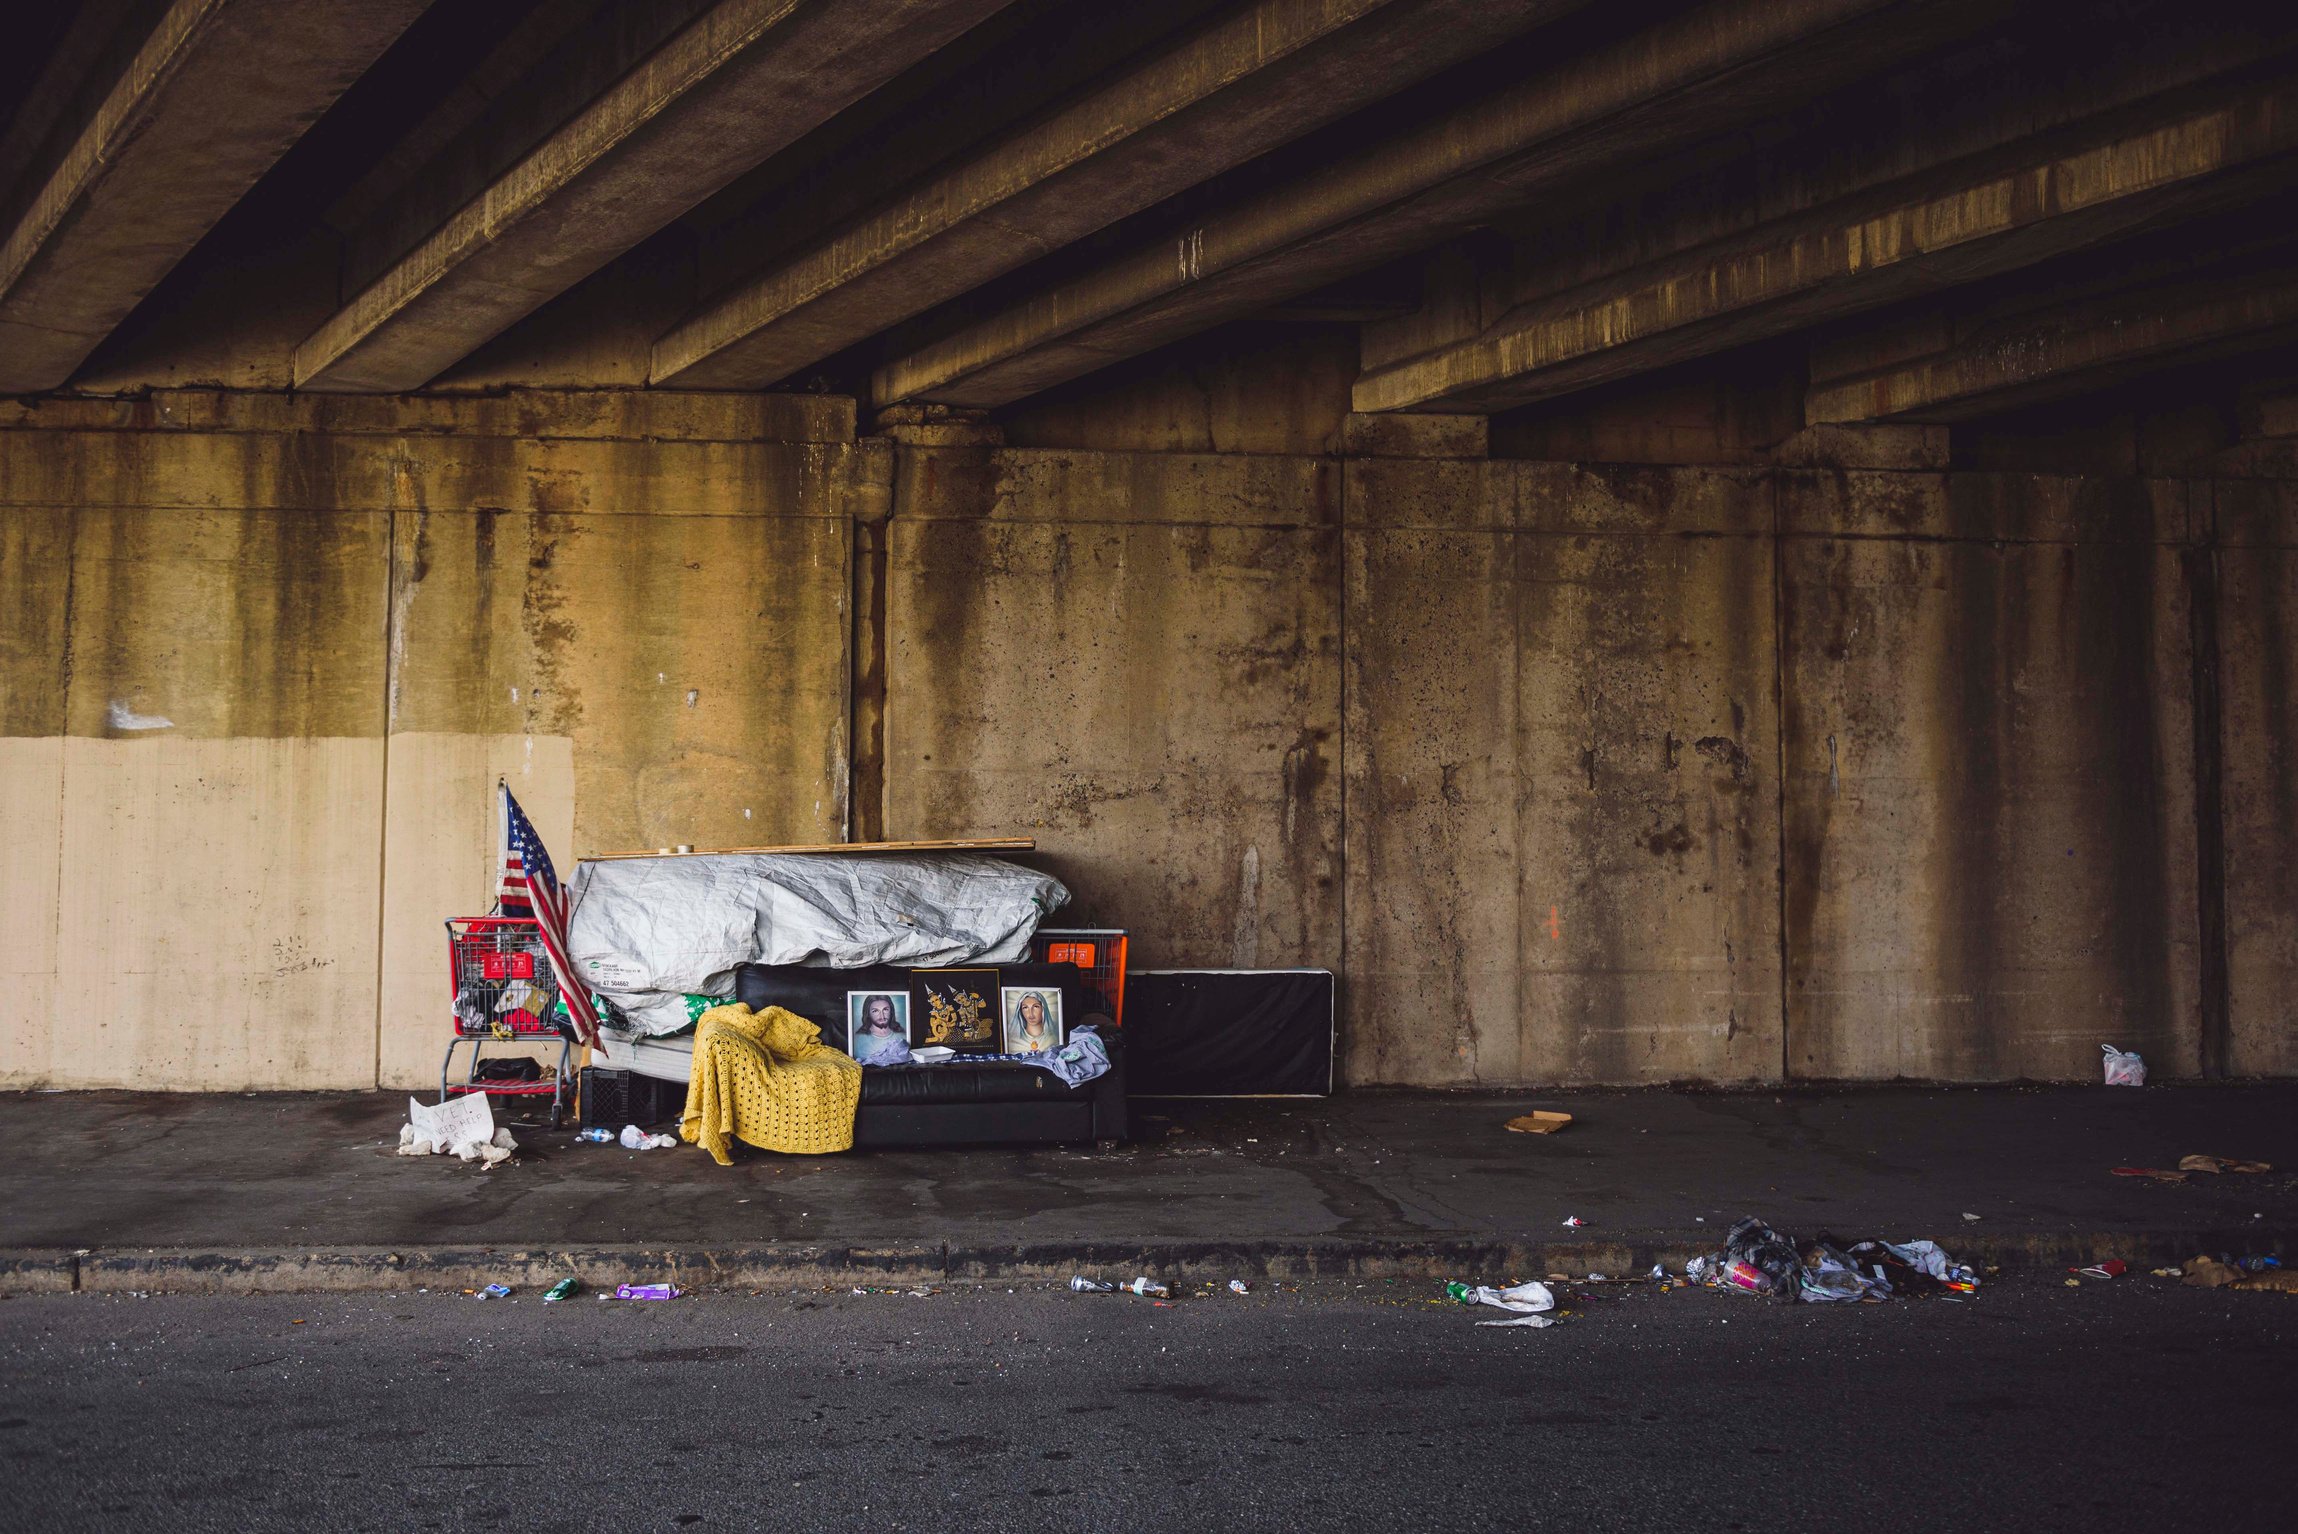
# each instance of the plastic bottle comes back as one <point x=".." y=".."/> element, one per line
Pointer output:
<point x="1148" y="1287"/>
<point x="597" y="1136"/>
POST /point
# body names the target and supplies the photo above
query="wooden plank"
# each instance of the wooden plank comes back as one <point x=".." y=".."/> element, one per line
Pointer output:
<point x="978" y="844"/>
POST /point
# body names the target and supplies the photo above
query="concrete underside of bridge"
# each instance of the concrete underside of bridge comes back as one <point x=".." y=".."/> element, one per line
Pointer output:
<point x="1661" y="542"/>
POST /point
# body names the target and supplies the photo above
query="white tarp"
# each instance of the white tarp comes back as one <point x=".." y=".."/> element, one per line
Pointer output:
<point x="646" y="932"/>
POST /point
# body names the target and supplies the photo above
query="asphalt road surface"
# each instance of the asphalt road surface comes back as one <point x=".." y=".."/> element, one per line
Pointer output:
<point x="2136" y="1404"/>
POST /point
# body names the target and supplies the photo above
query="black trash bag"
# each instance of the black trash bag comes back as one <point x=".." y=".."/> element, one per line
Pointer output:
<point x="508" y="1070"/>
<point x="1769" y="1253"/>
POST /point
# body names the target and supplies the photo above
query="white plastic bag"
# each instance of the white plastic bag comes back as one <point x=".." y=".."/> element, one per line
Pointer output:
<point x="2123" y="1070"/>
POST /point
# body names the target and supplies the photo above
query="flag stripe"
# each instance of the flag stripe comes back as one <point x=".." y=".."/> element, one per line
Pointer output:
<point x="530" y="887"/>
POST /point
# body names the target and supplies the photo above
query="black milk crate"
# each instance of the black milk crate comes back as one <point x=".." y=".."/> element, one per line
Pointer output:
<point x="611" y="1099"/>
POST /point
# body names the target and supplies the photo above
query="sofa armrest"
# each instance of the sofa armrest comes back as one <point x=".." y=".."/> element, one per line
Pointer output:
<point x="1109" y="1117"/>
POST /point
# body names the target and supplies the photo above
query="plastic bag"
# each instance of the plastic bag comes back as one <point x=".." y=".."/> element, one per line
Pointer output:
<point x="2123" y="1070"/>
<point x="1524" y="1299"/>
<point x="1762" y="1260"/>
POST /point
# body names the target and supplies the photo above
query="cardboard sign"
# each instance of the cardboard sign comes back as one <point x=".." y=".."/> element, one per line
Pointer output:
<point x="457" y="1121"/>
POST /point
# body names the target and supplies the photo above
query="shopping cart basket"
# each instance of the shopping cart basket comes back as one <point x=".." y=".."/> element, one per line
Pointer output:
<point x="505" y="993"/>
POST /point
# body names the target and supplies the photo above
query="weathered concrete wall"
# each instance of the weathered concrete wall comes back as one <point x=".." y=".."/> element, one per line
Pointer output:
<point x="1989" y="746"/>
<point x="1134" y="658"/>
<point x="1603" y="775"/>
<point x="261" y="662"/>
<point x="1563" y="836"/>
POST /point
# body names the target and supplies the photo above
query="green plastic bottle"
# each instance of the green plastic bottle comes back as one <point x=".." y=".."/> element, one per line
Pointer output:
<point x="564" y="1289"/>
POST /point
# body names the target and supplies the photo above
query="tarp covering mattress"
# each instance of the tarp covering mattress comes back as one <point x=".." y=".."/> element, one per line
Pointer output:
<point x="647" y="932"/>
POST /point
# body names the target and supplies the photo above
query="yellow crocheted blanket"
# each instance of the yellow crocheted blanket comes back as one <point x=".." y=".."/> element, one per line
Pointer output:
<point x="767" y="1079"/>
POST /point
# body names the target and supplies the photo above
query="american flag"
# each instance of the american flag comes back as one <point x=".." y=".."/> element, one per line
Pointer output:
<point x="531" y="888"/>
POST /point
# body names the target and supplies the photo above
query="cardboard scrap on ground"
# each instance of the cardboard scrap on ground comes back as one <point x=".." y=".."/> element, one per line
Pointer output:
<point x="1539" y="1123"/>
<point x="2278" y="1281"/>
<point x="2220" y="1164"/>
<point x="455" y="1121"/>
<point x="2210" y="1273"/>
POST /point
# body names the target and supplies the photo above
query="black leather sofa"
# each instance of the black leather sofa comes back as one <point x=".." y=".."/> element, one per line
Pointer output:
<point x="995" y="1102"/>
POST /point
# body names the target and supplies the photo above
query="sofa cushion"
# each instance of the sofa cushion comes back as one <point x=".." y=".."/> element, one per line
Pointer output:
<point x="957" y="1082"/>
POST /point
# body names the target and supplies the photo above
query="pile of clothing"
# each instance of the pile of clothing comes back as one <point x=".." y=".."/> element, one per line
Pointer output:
<point x="1759" y="1260"/>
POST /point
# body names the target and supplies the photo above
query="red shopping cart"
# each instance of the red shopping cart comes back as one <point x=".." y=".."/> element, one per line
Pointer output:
<point x="505" y="993"/>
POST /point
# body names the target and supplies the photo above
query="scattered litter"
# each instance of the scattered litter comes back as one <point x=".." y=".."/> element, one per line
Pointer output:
<point x="1539" y="1122"/>
<point x="2123" y="1069"/>
<point x="2259" y="1264"/>
<point x="1522" y="1321"/>
<point x="495" y="1292"/>
<point x="1526" y="1301"/>
<point x="1759" y="1260"/>
<point x="1080" y="1284"/>
<point x="1148" y="1286"/>
<point x="2155" y="1172"/>
<point x="647" y="1292"/>
<point x="1573" y="1222"/>
<point x="2113" y="1267"/>
<point x="635" y="1138"/>
<point x="1237" y="1286"/>
<point x="564" y="1289"/>
<point x="2074" y="1283"/>
<point x="2216" y="1164"/>
<point x="596" y="1136"/>
<point x="1972" y="1218"/>
<point x="461" y="1126"/>
<point x="2166" y="1272"/>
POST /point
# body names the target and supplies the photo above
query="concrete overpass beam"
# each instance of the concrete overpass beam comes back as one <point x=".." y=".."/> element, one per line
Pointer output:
<point x="2006" y="213"/>
<point x="1263" y="76"/>
<point x="215" y="96"/>
<point x="1946" y="371"/>
<point x="1698" y="73"/>
<point x="743" y="80"/>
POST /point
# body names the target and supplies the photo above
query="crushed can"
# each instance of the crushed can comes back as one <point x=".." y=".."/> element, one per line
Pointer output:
<point x="564" y="1289"/>
<point x="1083" y="1285"/>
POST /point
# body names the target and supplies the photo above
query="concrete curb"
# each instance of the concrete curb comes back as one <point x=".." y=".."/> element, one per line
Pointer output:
<point x="789" y="1264"/>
